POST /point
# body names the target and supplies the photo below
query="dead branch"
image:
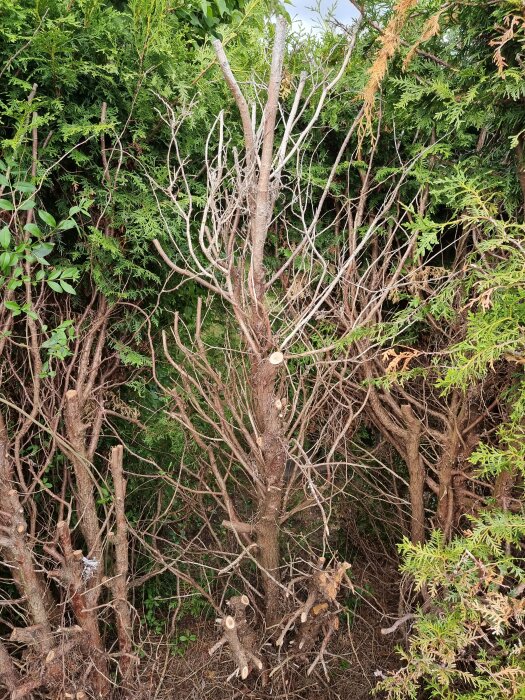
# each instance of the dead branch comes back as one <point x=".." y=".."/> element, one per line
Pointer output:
<point x="119" y="585"/>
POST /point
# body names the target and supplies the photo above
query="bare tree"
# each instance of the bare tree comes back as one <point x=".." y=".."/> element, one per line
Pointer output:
<point x="252" y="405"/>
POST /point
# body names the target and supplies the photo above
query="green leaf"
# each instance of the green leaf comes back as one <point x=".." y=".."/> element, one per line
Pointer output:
<point x="27" y="205"/>
<point x="70" y="273"/>
<point x="5" y="237"/>
<point x="33" y="230"/>
<point x="30" y="312"/>
<point x="67" y="287"/>
<point x="221" y="5"/>
<point x="14" y="284"/>
<point x="42" y="249"/>
<point x="24" y="187"/>
<point x="6" y="205"/>
<point x="47" y="218"/>
<point x="55" y="286"/>
<point x="5" y="260"/>
<point x="12" y="306"/>
<point x="66" y="225"/>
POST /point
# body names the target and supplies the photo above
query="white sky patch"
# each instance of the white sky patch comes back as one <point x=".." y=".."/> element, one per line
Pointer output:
<point x="308" y="14"/>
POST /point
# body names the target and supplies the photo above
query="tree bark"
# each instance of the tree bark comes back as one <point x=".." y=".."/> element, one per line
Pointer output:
<point x="8" y="674"/>
<point x="416" y="472"/>
<point x="503" y="488"/>
<point x="119" y="581"/>
<point x="17" y="552"/>
<point x="86" y="505"/>
<point x="267" y="530"/>
<point x="273" y="453"/>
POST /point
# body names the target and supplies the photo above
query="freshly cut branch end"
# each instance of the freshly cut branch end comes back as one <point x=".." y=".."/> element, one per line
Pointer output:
<point x="276" y="358"/>
<point x="240" y="637"/>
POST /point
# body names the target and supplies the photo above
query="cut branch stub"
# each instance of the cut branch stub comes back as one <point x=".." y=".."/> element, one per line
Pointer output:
<point x="319" y="613"/>
<point x="276" y="358"/>
<point x="240" y="637"/>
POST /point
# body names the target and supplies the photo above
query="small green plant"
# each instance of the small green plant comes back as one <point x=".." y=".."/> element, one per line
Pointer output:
<point x="28" y="259"/>
<point x="179" y="646"/>
<point x="57" y="345"/>
<point x="27" y="245"/>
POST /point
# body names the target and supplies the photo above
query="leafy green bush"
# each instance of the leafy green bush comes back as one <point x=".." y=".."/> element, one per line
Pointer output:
<point x="466" y="642"/>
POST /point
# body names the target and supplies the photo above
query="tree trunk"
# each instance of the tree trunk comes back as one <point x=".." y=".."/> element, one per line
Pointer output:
<point x="273" y="453"/>
<point x="119" y="585"/>
<point x="417" y="476"/>
<point x="267" y="530"/>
